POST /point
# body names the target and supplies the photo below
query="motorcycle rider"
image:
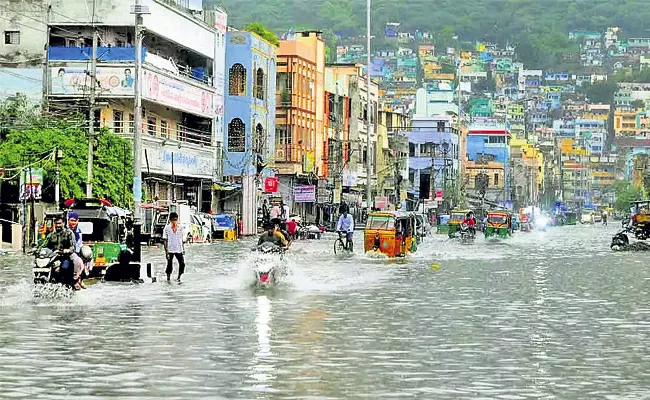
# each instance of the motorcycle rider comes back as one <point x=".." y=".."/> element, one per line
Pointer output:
<point x="273" y="235"/>
<point x="62" y="240"/>
<point x="471" y="222"/>
<point x="79" y="265"/>
<point x="346" y="225"/>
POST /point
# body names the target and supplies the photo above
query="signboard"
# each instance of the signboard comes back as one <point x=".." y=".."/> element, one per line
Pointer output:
<point x="308" y="162"/>
<point x="381" y="202"/>
<point x="174" y="93"/>
<point x="271" y="185"/>
<point x="71" y="80"/>
<point x="187" y="162"/>
<point x="304" y="194"/>
<point x="31" y="183"/>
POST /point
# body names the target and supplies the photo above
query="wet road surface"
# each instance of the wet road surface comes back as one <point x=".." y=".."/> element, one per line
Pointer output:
<point x="551" y="314"/>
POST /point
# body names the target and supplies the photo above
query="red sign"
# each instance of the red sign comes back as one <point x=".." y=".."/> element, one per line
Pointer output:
<point x="271" y="184"/>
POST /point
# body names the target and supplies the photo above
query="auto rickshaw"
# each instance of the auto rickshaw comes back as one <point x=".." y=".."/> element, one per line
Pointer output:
<point x="443" y="224"/>
<point x="455" y="221"/>
<point x="391" y="233"/>
<point x="641" y="218"/>
<point x="108" y="231"/>
<point x="499" y="224"/>
<point x="570" y="218"/>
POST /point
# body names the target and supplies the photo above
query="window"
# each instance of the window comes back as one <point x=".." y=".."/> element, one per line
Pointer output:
<point x="440" y="126"/>
<point x="260" y="140"/>
<point x="496" y="179"/>
<point x="411" y="150"/>
<point x="118" y="121"/>
<point x="163" y="129"/>
<point x="131" y="123"/>
<point x="259" y="84"/>
<point x="151" y="126"/>
<point x="236" y="136"/>
<point x="237" y="80"/>
<point x="12" y="37"/>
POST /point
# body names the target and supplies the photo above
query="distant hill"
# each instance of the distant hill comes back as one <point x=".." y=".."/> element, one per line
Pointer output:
<point x="542" y="25"/>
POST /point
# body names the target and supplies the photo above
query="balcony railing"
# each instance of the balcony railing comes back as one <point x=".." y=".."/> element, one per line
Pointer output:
<point x="179" y="133"/>
<point x="104" y="54"/>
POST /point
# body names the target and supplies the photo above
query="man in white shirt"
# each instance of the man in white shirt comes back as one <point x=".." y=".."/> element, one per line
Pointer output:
<point x="173" y="241"/>
<point x="285" y="212"/>
<point x="346" y="224"/>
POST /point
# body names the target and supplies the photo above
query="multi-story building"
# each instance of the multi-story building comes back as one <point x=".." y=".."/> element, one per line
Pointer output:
<point x="434" y="149"/>
<point x="300" y="94"/>
<point x="249" y="118"/>
<point x="183" y="55"/>
<point x="488" y="163"/>
<point x="625" y="122"/>
<point x="389" y="159"/>
<point x="436" y="99"/>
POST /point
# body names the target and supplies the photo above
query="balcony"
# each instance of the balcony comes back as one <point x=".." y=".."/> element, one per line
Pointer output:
<point x="179" y="134"/>
<point x="104" y="54"/>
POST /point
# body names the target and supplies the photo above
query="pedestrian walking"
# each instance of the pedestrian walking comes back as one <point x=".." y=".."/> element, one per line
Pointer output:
<point x="173" y="241"/>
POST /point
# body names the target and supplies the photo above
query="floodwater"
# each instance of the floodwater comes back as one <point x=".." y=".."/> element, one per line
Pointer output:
<point x="551" y="314"/>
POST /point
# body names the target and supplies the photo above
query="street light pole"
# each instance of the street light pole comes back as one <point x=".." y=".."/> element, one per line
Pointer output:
<point x="368" y="114"/>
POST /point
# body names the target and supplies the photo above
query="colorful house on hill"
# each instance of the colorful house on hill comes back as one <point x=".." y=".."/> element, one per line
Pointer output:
<point x="488" y="163"/>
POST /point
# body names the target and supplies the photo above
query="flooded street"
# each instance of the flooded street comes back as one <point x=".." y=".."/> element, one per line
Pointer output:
<point x="551" y="314"/>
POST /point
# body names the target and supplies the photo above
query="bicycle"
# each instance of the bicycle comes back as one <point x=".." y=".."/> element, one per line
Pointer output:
<point x="341" y="245"/>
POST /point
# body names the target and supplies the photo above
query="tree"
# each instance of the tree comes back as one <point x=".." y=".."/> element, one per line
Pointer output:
<point x="626" y="193"/>
<point x="263" y="32"/>
<point x="34" y="141"/>
<point x="600" y="92"/>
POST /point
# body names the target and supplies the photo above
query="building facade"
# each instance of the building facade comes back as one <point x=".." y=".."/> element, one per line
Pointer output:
<point x="181" y="121"/>
<point x="249" y="142"/>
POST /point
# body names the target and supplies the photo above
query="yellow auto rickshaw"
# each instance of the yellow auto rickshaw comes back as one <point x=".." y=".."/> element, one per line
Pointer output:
<point x="391" y="233"/>
<point x="499" y="224"/>
<point x="455" y="221"/>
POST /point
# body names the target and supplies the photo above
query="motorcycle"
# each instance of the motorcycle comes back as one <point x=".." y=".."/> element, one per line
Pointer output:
<point x="266" y="268"/>
<point x="621" y="241"/>
<point x="47" y="268"/>
<point x="467" y="235"/>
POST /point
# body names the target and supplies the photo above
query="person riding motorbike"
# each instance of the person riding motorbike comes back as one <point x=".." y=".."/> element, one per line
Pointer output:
<point x="346" y="225"/>
<point x="273" y="235"/>
<point x="471" y="222"/>
<point x="62" y="240"/>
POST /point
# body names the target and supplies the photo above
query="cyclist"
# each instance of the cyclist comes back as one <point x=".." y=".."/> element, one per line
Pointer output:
<point x="346" y="225"/>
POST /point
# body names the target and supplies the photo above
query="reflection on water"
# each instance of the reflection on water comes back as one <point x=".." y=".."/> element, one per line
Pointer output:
<point x="551" y="314"/>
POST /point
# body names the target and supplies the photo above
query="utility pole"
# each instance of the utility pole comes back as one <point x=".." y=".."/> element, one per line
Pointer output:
<point x="368" y="119"/>
<point x="91" y="112"/>
<point x="46" y="63"/>
<point x="138" y="10"/>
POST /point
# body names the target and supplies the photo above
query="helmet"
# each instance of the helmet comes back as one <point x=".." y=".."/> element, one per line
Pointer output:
<point x="86" y="253"/>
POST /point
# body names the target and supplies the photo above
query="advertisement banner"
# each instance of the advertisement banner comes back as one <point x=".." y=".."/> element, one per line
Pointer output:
<point x="177" y="94"/>
<point x="271" y="185"/>
<point x="304" y="194"/>
<point x="221" y="26"/>
<point x="31" y="183"/>
<point x="71" y="80"/>
<point x="186" y="162"/>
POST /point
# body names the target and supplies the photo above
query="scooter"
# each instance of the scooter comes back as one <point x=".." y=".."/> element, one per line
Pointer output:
<point x="267" y="268"/>
<point x="467" y="235"/>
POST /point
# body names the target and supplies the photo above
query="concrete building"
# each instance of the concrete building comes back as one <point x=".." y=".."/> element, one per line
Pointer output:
<point x="183" y="54"/>
<point x="390" y="159"/>
<point x="249" y="119"/>
<point x="488" y="163"/>
<point x="300" y="134"/>
<point x="434" y="148"/>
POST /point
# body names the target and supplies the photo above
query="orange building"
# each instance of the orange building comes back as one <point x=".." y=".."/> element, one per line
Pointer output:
<point x="300" y="97"/>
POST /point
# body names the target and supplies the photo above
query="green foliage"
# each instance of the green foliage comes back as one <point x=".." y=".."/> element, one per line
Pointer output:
<point x="626" y="193"/>
<point x="600" y="91"/>
<point x="264" y="33"/>
<point x="35" y="138"/>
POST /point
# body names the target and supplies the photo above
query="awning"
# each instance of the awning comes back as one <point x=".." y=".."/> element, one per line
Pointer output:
<point x="226" y="187"/>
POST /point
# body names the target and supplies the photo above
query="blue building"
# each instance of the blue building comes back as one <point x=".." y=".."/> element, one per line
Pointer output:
<point x="249" y="120"/>
<point x="250" y="103"/>
<point x="432" y="140"/>
<point x="488" y="154"/>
